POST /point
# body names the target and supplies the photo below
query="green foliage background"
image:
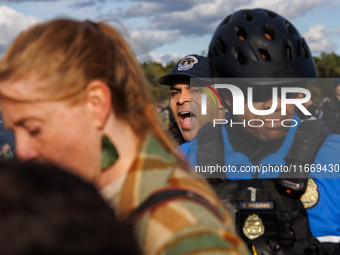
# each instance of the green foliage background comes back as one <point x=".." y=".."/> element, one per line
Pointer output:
<point x="153" y="71"/>
<point x="327" y="65"/>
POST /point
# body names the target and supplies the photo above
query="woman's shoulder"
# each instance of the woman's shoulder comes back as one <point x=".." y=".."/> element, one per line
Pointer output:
<point x="155" y="169"/>
<point x="180" y="209"/>
<point x="171" y="206"/>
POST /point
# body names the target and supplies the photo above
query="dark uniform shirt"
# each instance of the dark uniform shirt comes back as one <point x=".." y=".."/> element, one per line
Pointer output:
<point x="312" y="109"/>
<point x="254" y="149"/>
<point x="330" y="113"/>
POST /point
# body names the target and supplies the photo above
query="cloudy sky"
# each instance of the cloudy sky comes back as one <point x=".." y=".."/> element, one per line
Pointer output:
<point x="164" y="30"/>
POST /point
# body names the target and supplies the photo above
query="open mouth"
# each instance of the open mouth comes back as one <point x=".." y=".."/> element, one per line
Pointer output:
<point x="188" y="119"/>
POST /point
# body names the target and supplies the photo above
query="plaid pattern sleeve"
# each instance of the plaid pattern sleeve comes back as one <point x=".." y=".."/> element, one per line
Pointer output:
<point x="178" y="226"/>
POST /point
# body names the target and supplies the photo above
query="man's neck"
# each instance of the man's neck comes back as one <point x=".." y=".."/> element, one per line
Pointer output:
<point x="253" y="148"/>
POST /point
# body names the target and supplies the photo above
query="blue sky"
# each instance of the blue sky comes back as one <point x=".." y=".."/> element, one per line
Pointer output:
<point x="169" y="29"/>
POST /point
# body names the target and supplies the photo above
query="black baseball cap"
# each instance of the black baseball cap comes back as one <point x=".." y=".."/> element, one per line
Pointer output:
<point x="191" y="66"/>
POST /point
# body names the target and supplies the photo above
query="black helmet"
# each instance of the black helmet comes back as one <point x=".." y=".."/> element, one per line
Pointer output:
<point x="259" y="44"/>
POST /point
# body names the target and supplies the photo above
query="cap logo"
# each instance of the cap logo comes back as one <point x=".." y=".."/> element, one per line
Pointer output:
<point x="187" y="63"/>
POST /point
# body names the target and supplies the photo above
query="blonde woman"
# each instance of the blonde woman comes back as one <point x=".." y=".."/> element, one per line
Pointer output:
<point x="75" y="96"/>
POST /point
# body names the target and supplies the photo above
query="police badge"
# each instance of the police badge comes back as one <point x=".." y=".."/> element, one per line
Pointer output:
<point x="311" y="196"/>
<point x="253" y="227"/>
<point x="187" y="63"/>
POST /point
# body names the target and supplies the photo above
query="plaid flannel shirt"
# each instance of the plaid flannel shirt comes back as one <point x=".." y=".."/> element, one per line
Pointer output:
<point x="179" y="226"/>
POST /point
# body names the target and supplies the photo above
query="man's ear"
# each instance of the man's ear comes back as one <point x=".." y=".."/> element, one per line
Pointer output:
<point x="98" y="100"/>
<point x="226" y="97"/>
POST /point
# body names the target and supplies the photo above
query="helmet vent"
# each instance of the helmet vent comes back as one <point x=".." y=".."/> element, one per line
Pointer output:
<point x="288" y="51"/>
<point x="247" y="16"/>
<point x="241" y="58"/>
<point x="298" y="53"/>
<point x="221" y="46"/>
<point x="271" y="14"/>
<point x="241" y="33"/>
<point x="290" y="28"/>
<point x="269" y="32"/>
<point x="216" y="52"/>
<point x="265" y="54"/>
<point x="226" y="20"/>
<point x="305" y="49"/>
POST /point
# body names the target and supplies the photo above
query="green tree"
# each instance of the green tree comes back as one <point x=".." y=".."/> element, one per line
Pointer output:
<point x="328" y="66"/>
<point x="153" y="71"/>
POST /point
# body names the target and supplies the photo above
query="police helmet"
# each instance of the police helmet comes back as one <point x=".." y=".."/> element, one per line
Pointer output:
<point x="259" y="43"/>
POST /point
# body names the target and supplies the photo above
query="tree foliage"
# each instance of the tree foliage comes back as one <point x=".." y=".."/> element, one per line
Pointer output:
<point x="153" y="71"/>
<point x="328" y="66"/>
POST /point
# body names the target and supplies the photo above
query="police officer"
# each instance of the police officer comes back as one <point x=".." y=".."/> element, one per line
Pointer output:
<point x="330" y="110"/>
<point x="275" y="216"/>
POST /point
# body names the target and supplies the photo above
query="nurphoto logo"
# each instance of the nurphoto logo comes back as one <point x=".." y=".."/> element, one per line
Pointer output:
<point x="238" y="104"/>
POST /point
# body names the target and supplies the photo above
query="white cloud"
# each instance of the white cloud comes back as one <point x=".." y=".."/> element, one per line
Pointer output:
<point x="163" y="58"/>
<point x="142" y="9"/>
<point x="203" y="18"/>
<point x="200" y="19"/>
<point x="12" y="23"/>
<point x="317" y="38"/>
<point x="153" y="8"/>
<point x="166" y="22"/>
<point x="152" y="39"/>
<point x="286" y="8"/>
